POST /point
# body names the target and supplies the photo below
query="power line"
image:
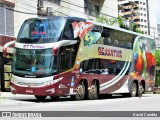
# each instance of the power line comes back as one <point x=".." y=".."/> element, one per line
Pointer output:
<point x="18" y="11"/>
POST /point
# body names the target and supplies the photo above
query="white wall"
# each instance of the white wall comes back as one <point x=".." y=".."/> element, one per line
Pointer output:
<point x="110" y="7"/>
<point x="73" y="8"/>
<point x="76" y="8"/>
<point x="29" y="6"/>
<point x="67" y="7"/>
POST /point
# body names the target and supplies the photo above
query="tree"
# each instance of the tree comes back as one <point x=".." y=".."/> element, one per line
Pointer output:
<point x="120" y="20"/>
<point x="157" y="82"/>
<point x="108" y="21"/>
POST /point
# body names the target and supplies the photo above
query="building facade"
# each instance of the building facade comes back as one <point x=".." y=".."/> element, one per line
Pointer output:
<point x="136" y="11"/>
<point x="158" y="35"/>
<point x="89" y="9"/>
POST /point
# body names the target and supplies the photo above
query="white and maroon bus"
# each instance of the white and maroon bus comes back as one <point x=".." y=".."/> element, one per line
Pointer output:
<point x="61" y="56"/>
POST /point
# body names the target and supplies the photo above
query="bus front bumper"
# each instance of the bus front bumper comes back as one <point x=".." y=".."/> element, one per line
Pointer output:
<point x="49" y="90"/>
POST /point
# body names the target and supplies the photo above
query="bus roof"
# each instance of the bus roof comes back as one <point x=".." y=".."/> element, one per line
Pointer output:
<point x="95" y="23"/>
<point x="118" y="28"/>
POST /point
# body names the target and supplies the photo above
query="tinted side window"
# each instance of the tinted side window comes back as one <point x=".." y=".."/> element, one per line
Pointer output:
<point x="119" y="39"/>
<point x="67" y="57"/>
<point x="107" y="34"/>
<point x="129" y="41"/>
<point x="68" y="32"/>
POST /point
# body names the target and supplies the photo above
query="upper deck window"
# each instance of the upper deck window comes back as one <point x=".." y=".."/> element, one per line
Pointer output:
<point x="41" y="31"/>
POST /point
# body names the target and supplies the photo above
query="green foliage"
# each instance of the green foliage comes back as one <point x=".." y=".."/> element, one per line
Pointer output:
<point x="105" y="20"/>
<point x="120" y="20"/>
<point x="157" y="82"/>
<point x="157" y="57"/>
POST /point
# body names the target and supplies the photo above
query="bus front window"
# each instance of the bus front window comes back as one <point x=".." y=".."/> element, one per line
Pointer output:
<point x="38" y="31"/>
<point x="34" y="62"/>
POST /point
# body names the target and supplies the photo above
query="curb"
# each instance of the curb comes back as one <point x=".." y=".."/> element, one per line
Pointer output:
<point x="2" y="95"/>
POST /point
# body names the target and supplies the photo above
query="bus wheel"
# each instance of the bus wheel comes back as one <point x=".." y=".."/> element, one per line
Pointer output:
<point x="40" y="98"/>
<point x="93" y="92"/>
<point x="54" y="98"/>
<point x="133" y="90"/>
<point x="80" y="94"/>
<point x="140" y="90"/>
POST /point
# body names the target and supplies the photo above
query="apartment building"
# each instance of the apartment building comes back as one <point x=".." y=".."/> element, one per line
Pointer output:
<point x="89" y="9"/>
<point x="158" y="40"/>
<point x="136" y="11"/>
<point x="159" y="32"/>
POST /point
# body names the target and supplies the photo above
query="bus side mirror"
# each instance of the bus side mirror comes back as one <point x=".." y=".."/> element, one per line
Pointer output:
<point x="5" y="47"/>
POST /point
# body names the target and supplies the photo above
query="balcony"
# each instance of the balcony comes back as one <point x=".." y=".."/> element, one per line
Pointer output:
<point x="127" y="13"/>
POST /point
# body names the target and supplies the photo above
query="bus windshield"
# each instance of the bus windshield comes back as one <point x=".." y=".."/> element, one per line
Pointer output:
<point x="34" y="62"/>
<point x="37" y="31"/>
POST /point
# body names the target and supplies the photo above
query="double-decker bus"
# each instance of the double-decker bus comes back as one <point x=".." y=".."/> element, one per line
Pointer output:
<point x="62" y="56"/>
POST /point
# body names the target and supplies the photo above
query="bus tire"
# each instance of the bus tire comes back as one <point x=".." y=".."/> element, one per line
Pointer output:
<point x="40" y="98"/>
<point x="133" y="90"/>
<point x="80" y="94"/>
<point x="93" y="92"/>
<point x="140" y="90"/>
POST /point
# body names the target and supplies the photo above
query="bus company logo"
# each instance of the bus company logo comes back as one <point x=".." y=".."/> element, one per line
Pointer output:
<point x="21" y="114"/>
<point x="33" y="46"/>
<point x="28" y="76"/>
<point x="109" y="52"/>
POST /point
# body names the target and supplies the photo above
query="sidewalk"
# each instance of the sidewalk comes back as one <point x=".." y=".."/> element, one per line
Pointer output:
<point x="4" y="95"/>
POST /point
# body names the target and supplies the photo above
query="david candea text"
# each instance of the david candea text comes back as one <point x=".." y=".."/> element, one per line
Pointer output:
<point x="109" y="52"/>
<point x="145" y="114"/>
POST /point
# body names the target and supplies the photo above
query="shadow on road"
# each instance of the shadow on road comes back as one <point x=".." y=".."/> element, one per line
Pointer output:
<point x="64" y="99"/>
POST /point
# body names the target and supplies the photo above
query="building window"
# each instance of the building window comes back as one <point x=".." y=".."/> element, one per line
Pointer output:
<point x="143" y="3"/>
<point x="6" y="20"/>
<point x="91" y="8"/>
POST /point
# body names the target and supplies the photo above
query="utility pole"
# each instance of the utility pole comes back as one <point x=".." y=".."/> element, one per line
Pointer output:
<point x="147" y="4"/>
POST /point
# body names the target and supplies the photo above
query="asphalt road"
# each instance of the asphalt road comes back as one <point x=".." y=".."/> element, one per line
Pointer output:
<point x="148" y="102"/>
